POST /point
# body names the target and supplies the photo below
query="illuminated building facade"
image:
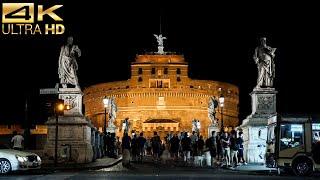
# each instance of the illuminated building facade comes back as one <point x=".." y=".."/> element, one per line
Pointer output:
<point x="161" y="97"/>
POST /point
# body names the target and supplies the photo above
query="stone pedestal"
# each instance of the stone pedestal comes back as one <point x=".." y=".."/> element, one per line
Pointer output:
<point x="160" y="50"/>
<point x="74" y="132"/>
<point x="255" y="126"/>
<point x="73" y="98"/>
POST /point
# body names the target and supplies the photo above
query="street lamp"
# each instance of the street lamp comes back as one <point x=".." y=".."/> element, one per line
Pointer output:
<point x="59" y="111"/>
<point x="106" y="104"/>
<point x="221" y="102"/>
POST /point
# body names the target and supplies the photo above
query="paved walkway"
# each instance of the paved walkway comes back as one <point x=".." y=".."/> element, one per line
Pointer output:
<point x="99" y="163"/>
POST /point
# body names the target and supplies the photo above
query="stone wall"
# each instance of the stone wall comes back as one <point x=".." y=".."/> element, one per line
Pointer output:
<point x="181" y="104"/>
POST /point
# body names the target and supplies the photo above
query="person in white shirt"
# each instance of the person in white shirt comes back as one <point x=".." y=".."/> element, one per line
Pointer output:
<point x="17" y="141"/>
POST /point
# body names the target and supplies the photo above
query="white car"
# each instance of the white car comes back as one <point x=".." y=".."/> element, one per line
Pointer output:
<point x="13" y="160"/>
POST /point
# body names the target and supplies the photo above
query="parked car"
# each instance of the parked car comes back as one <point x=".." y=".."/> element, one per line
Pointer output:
<point x="13" y="160"/>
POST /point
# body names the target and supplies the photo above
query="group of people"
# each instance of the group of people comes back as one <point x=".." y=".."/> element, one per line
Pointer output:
<point x="225" y="149"/>
<point x="110" y="145"/>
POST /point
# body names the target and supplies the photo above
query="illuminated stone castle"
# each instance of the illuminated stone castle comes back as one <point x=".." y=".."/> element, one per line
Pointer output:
<point x="161" y="97"/>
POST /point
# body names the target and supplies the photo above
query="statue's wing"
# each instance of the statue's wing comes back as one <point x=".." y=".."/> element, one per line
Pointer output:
<point x="156" y="36"/>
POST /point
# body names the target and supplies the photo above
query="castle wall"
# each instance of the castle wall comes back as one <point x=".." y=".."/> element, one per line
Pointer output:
<point x="180" y="104"/>
<point x="159" y="88"/>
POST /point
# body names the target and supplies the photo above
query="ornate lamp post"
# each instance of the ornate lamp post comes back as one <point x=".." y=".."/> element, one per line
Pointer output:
<point x="106" y="105"/>
<point x="221" y="102"/>
<point x="59" y="111"/>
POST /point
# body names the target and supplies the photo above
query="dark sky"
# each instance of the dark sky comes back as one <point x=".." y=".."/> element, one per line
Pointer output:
<point x="217" y="40"/>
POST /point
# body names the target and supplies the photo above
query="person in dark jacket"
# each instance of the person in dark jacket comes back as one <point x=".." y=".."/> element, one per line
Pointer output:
<point x="134" y="147"/>
<point x="200" y="145"/>
<point x="212" y="146"/>
<point x="126" y="142"/>
<point x="141" y="145"/>
<point x="219" y="147"/>
<point x="156" y="145"/>
<point x="234" y="149"/>
<point x="186" y="147"/>
<point x="174" y="146"/>
<point x="240" y="151"/>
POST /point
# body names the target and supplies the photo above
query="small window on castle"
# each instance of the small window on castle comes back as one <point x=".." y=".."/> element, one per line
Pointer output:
<point x="153" y="71"/>
<point x="178" y="79"/>
<point x="140" y="71"/>
<point x="165" y="71"/>
<point x="178" y="71"/>
<point x="139" y="79"/>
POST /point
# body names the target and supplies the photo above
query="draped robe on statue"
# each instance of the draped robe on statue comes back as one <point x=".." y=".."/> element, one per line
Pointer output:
<point x="68" y="65"/>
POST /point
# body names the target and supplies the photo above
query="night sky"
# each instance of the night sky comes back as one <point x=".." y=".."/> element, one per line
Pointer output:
<point x="217" y="40"/>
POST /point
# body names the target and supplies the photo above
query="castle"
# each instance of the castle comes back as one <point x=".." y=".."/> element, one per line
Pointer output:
<point x="161" y="97"/>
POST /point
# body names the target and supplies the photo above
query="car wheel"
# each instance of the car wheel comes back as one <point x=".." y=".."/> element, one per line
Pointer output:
<point x="5" y="166"/>
<point x="302" y="167"/>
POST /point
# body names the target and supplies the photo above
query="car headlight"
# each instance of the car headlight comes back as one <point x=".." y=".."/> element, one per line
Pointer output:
<point x="38" y="158"/>
<point x="21" y="159"/>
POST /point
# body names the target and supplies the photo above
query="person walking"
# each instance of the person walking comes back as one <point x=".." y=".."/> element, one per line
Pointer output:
<point x="186" y="147"/>
<point x="174" y="146"/>
<point x="219" y="147"/>
<point x="126" y="147"/>
<point x="226" y="148"/>
<point x="17" y="141"/>
<point x="156" y="145"/>
<point x="134" y="147"/>
<point x="240" y="151"/>
<point x="141" y="146"/>
<point x="200" y="145"/>
<point x="212" y="146"/>
<point x="234" y="149"/>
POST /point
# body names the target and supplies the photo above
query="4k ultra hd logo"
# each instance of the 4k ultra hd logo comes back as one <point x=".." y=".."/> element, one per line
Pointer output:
<point x="28" y="19"/>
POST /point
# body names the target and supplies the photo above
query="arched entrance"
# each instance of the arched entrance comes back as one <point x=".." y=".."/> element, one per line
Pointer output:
<point x="162" y="126"/>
